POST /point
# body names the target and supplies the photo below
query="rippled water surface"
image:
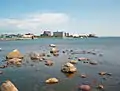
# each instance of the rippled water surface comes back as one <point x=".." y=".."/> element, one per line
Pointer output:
<point x="32" y="78"/>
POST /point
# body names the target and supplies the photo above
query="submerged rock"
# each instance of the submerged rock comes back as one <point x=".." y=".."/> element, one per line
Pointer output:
<point x="83" y="76"/>
<point x="68" y="68"/>
<point x="8" y="86"/>
<point x="14" y="54"/>
<point x="83" y="59"/>
<point x="102" y="73"/>
<point x="85" y="88"/>
<point x="48" y="63"/>
<point x="51" y="80"/>
<point x="93" y="62"/>
<point x="100" y="87"/>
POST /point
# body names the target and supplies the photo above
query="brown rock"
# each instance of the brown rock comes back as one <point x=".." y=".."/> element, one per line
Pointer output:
<point x="14" y="54"/>
<point x="8" y="86"/>
<point x="52" y="80"/>
<point x="85" y="88"/>
<point x="48" y="63"/>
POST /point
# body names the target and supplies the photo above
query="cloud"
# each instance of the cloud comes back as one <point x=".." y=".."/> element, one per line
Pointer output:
<point x="35" y="22"/>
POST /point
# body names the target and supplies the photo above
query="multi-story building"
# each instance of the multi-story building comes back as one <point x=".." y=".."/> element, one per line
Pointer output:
<point x="58" y="34"/>
<point x="46" y="33"/>
<point x="66" y="34"/>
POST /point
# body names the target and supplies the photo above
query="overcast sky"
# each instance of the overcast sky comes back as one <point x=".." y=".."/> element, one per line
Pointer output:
<point x="101" y="17"/>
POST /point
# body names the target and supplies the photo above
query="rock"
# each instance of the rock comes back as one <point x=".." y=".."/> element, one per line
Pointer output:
<point x="54" y="50"/>
<point x="51" y="80"/>
<point x="102" y="73"/>
<point x="85" y="88"/>
<point x="0" y="49"/>
<point x="48" y="55"/>
<point x="8" y="86"/>
<point x="1" y="72"/>
<point x="83" y="76"/>
<point x="55" y="54"/>
<point x="63" y="51"/>
<point x="73" y="61"/>
<point x="93" y="62"/>
<point x="109" y="74"/>
<point x="68" y="68"/>
<point x="52" y="45"/>
<point x="14" y="54"/>
<point x="48" y="63"/>
<point x="83" y="59"/>
<point x="100" y="86"/>
<point x="14" y="61"/>
<point x="35" y="56"/>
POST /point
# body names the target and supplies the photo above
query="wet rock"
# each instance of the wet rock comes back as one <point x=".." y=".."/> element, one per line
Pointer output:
<point x="48" y="63"/>
<point x="14" y="61"/>
<point x="55" y="54"/>
<point x="83" y="76"/>
<point x="63" y="51"/>
<point x="35" y="56"/>
<point x="73" y="61"/>
<point x="100" y="87"/>
<point x="52" y="80"/>
<point x="102" y="73"/>
<point x="48" y="55"/>
<point x="0" y="49"/>
<point x="70" y="75"/>
<point x="68" y="68"/>
<point x="85" y="87"/>
<point x="83" y="59"/>
<point x="52" y="45"/>
<point x="54" y="50"/>
<point x="3" y="66"/>
<point x="14" y="54"/>
<point x="93" y="62"/>
<point x="8" y="86"/>
<point x="1" y="72"/>
<point x="109" y="74"/>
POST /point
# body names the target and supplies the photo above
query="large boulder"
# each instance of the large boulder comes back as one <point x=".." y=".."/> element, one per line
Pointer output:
<point x="8" y="86"/>
<point x="68" y="68"/>
<point x="14" y="54"/>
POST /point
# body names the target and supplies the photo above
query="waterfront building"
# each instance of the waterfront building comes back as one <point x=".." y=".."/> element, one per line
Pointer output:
<point x="66" y="34"/>
<point x="58" y="34"/>
<point x="29" y="35"/>
<point x="46" y="33"/>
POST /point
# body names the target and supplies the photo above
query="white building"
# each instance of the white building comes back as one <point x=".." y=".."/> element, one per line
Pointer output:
<point x="29" y="35"/>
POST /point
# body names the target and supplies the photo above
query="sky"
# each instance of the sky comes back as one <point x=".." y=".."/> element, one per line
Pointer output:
<point x="100" y="17"/>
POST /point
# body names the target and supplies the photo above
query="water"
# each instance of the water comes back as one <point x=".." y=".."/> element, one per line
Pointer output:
<point x="32" y="78"/>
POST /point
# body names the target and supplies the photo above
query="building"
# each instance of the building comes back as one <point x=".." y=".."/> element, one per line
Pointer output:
<point x="58" y="34"/>
<point x="29" y="35"/>
<point x="46" y="33"/>
<point x="67" y="35"/>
